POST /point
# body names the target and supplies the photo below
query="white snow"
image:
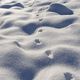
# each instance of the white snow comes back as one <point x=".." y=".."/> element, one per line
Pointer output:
<point x="39" y="39"/>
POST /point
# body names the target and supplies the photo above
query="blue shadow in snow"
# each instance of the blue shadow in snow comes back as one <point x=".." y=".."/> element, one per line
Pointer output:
<point x="31" y="27"/>
<point x="60" y="9"/>
<point x="7" y="6"/>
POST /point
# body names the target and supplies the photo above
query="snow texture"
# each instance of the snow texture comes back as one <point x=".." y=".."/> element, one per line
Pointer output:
<point x="39" y="39"/>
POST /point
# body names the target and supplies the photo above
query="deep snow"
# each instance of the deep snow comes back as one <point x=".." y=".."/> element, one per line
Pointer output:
<point x="39" y="39"/>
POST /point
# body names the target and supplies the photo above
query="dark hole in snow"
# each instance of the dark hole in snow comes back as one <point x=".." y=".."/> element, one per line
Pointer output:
<point x="37" y="41"/>
<point x="68" y="76"/>
<point x="40" y="30"/>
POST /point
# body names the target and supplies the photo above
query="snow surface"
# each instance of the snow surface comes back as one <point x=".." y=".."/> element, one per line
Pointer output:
<point x="39" y="39"/>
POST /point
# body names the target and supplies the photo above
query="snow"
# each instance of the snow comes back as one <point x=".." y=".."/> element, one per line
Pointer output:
<point x="39" y="39"/>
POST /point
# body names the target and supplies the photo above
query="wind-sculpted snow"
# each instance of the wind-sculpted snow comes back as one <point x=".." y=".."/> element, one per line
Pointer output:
<point x="55" y="73"/>
<point x="39" y="40"/>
